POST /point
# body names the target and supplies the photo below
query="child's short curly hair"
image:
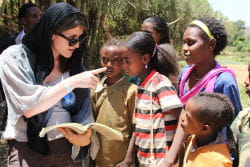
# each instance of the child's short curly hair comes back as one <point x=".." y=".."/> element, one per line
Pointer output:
<point x="214" y="109"/>
<point x="217" y="30"/>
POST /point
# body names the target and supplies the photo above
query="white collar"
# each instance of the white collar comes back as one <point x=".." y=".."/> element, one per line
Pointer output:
<point x="20" y="37"/>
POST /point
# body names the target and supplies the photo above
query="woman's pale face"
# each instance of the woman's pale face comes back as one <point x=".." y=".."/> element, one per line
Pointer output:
<point x="60" y="45"/>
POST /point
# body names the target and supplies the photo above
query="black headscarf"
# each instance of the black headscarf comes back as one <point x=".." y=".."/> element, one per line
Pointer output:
<point x="39" y="41"/>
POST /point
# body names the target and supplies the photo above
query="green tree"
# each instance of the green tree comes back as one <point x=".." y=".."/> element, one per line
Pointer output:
<point x="240" y="25"/>
<point x="118" y="18"/>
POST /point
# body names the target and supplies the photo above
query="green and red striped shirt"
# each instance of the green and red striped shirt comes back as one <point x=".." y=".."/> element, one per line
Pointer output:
<point x="157" y="93"/>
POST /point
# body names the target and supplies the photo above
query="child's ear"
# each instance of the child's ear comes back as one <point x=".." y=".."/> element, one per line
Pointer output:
<point x="146" y="58"/>
<point x="205" y="129"/>
<point x="212" y="43"/>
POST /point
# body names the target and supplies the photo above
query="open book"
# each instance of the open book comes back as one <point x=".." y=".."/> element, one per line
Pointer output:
<point x="108" y="132"/>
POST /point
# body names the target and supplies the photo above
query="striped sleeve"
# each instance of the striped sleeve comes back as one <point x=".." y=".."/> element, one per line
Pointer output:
<point x="167" y="96"/>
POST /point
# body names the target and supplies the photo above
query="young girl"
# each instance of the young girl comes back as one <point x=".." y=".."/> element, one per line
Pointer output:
<point x="113" y="103"/>
<point x="38" y="79"/>
<point x="203" y="39"/>
<point x="157" y="105"/>
<point x="158" y="29"/>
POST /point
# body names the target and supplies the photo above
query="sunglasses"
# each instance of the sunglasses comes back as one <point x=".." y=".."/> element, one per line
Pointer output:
<point x="73" y="41"/>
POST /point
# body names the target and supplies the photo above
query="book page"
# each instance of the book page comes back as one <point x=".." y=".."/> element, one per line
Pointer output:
<point x="108" y="132"/>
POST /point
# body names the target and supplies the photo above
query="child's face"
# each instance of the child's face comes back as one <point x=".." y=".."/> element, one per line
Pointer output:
<point x="189" y="122"/>
<point x="147" y="26"/>
<point x="133" y="63"/>
<point x="195" y="48"/>
<point x="247" y="81"/>
<point x="32" y="16"/>
<point x="110" y="58"/>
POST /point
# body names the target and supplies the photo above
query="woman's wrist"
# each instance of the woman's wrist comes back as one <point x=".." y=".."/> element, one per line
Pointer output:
<point x="70" y="83"/>
<point x="67" y="86"/>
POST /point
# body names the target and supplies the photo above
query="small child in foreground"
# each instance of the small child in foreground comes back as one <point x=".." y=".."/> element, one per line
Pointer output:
<point x="205" y="115"/>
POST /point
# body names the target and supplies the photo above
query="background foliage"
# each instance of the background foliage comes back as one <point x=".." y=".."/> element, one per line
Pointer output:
<point x="119" y="18"/>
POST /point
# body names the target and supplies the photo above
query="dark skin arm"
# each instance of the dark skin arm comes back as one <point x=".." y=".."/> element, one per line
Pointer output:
<point x="129" y="155"/>
<point x="176" y="146"/>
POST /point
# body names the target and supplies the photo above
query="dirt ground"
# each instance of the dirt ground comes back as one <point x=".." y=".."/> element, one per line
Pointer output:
<point x="240" y="71"/>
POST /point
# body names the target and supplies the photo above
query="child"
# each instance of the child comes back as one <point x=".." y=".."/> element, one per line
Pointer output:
<point x="113" y="105"/>
<point x="157" y="105"/>
<point x="158" y="29"/>
<point x="241" y="129"/>
<point x="205" y="115"/>
<point x="203" y="40"/>
<point x="168" y="64"/>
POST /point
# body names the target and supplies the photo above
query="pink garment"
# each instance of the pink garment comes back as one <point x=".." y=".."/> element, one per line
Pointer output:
<point x="207" y="82"/>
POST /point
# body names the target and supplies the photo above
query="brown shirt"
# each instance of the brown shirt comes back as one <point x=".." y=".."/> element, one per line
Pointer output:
<point x="114" y="106"/>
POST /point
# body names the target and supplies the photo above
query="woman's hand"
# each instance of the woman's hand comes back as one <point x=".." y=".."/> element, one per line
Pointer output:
<point x="85" y="79"/>
<point x="55" y="93"/>
<point x="74" y="138"/>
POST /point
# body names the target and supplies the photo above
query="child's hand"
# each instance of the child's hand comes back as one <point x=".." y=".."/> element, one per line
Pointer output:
<point x="74" y="138"/>
<point x="124" y="163"/>
<point x="166" y="163"/>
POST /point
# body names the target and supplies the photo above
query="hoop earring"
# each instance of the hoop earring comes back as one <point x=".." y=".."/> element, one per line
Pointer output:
<point x="146" y="66"/>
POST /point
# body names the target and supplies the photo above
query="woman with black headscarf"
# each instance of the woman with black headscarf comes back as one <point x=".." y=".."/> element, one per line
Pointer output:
<point x="38" y="79"/>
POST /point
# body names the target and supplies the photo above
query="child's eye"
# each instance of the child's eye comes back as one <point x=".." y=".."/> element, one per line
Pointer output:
<point x="105" y="60"/>
<point x="113" y="61"/>
<point x="190" y="43"/>
<point x="116" y="60"/>
<point x="126" y="61"/>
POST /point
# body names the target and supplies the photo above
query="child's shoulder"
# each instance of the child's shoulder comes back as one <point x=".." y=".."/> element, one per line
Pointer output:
<point x="212" y="155"/>
<point x="241" y="123"/>
<point x="161" y="80"/>
<point x="207" y="155"/>
<point x="125" y="84"/>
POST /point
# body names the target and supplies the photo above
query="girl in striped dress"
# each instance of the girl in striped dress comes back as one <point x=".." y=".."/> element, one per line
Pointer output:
<point x="157" y="104"/>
